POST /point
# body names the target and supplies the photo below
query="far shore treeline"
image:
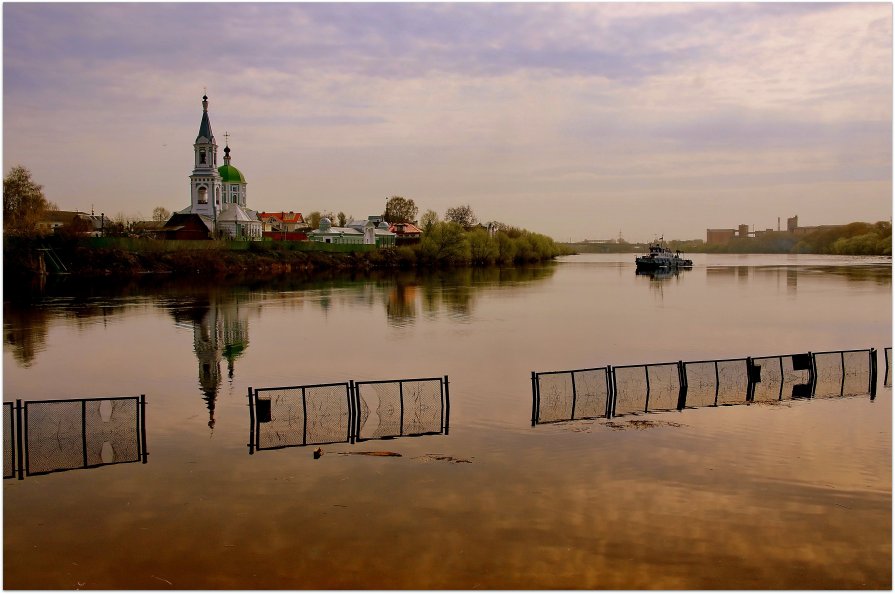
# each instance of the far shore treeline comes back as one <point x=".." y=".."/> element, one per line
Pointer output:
<point x="457" y="241"/>
<point x="444" y="245"/>
<point x="853" y="239"/>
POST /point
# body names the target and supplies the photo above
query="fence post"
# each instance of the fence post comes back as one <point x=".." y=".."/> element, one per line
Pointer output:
<point x="750" y="374"/>
<point x="842" y="385"/>
<point x="358" y="409"/>
<point x="401" y="400"/>
<point x="574" y="395"/>
<point x="350" y="411"/>
<point x="447" y="405"/>
<point x="614" y="389"/>
<point x="143" y="427"/>
<point x="251" y="423"/>
<point x="873" y="364"/>
<point x="813" y="372"/>
<point x="20" y="439"/>
<point x="84" y="432"/>
<point x="682" y="380"/>
<point x="534" y="398"/>
<point x="304" y="417"/>
<point x="782" y="379"/>
<point x="886" y="356"/>
<point x="608" y="393"/>
<point x="718" y="382"/>
<point x="646" y="373"/>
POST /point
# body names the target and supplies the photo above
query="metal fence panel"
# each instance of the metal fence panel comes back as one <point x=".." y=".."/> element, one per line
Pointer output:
<point x="768" y="377"/>
<point x="702" y="383"/>
<point x="422" y="406"/>
<point x="733" y="381"/>
<point x="54" y="436"/>
<point x="591" y="394"/>
<point x="395" y="408"/>
<point x="572" y="394"/>
<point x="828" y="375"/>
<point x="856" y="368"/>
<point x="302" y="415"/>
<point x="112" y="431"/>
<point x="380" y="410"/>
<point x="69" y="434"/>
<point x="328" y="413"/>
<point x="283" y="422"/>
<point x="555" y="392"/>
<point x="664" y="387"/>
<point x="630" y="390"/>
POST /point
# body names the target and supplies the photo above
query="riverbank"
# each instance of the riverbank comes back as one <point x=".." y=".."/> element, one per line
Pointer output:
<point x="124" y="257"/>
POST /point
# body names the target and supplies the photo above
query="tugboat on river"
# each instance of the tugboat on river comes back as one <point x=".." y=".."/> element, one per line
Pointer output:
<point x="661" y="258"/>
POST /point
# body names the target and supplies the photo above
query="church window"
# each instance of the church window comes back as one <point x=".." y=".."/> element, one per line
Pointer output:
<point x="202" y="157"/>
<point x="203" y="195"/>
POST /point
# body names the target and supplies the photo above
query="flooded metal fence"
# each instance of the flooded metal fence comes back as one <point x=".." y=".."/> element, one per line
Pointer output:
<point x="574" y="394"/>
<point x="399" y="408"/>
<point x="301" y="415"/>
<point x="347" y="412"/>
<point x="44" y="436"/>
<point x="633" y="389"/>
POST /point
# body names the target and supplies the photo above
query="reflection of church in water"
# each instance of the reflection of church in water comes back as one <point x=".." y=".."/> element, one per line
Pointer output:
<point x="221" y="334"/>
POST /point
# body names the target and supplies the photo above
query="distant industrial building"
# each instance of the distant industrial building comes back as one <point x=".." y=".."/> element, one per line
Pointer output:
<point x="723" y="236"/>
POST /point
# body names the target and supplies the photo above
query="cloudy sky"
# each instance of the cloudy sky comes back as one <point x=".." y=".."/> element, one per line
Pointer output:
<point x="575" y="120"/>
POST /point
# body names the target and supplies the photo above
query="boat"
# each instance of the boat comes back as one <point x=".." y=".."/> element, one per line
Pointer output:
<point x="661" y="258"/>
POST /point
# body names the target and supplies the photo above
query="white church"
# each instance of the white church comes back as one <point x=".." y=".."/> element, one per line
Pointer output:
<point x="218" y="193"/>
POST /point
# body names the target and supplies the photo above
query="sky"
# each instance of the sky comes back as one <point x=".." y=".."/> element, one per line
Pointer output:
<point x="579" y="120"/>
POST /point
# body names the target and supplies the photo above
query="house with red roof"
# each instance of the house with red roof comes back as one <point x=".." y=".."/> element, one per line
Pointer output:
<point x="284" y="225"/>
<point x="405" y="233"/>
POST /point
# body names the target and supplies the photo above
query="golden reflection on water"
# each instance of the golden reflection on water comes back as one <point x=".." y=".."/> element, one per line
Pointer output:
<point x="791" y="495"/>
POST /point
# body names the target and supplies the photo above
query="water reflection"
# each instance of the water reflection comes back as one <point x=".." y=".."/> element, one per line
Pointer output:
<point x="220" y="326"/>
<point x="218" y="314"/>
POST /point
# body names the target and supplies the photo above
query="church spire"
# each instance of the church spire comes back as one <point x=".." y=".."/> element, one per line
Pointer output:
<point x="205" y="126"/>
<point x="226" y="148"/>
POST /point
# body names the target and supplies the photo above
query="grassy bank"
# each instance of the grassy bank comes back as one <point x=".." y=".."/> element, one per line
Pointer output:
<point x="443" y="247"/>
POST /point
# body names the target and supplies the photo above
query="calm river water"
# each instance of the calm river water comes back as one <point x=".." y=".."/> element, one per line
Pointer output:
<point x="788" y="494"/>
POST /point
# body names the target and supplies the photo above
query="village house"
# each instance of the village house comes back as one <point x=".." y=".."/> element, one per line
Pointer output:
<point x="357" y="233"/>
<point x="82" y="222"/>
<point x="405" y="233"/>
<point x="283" y="226"/>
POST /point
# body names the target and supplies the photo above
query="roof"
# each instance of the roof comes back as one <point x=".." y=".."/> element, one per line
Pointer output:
<point x="205" y="125"/>
<point x="337" y="231"/>
<point x="234" y="212"/>
<point x="178" y="220"/>
<point x="286" y="217"/>
<point x="404" y="229"/>
<point x="231" y="175"/>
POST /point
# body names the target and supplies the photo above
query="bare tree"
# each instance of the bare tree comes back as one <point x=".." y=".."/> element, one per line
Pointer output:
<point x="462" y="215"/>
<point x="24" y="202"/>
<point x="160" y="214"/>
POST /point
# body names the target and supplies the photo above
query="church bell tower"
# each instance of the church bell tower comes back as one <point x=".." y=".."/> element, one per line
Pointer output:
<point x="206" y="184"/>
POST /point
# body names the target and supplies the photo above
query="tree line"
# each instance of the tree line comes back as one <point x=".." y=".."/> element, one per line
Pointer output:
<point x="853" y="239"/>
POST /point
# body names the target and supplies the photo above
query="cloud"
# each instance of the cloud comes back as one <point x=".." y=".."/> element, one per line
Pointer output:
<point x="456" y="101"/>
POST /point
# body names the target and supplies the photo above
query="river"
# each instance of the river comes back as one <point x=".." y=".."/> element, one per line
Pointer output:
<point x="781" y="493"/>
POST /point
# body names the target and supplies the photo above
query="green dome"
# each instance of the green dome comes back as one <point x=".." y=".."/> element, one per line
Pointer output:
<point x="231" y="175"/>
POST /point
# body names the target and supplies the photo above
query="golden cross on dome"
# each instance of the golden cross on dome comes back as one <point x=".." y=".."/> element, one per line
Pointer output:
<point x="226" y="139"/>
